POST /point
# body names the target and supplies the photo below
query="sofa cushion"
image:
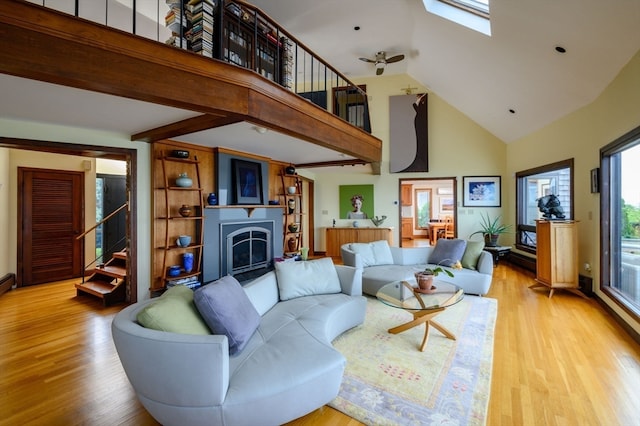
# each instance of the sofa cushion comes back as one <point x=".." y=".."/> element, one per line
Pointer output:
<point x="227" y="310"/>
<point x="447" y="252"/>
<point x="175" y="312"/>
<point x="374" y="253"/>
<point x="472" y="254"/>
<point x="306" y="278"/>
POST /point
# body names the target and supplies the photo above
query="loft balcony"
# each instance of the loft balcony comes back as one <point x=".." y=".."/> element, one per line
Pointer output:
<point x="226" y="60"/>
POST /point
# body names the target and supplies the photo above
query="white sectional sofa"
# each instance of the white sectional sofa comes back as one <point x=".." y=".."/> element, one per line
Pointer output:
<point x="383" y="264"/>
<point x="284" y="370"/>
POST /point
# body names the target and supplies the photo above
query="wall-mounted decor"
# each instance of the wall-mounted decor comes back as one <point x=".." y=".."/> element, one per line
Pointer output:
<point x="446" y="205"/>
<point x="595" y="180"/>
<point x="409" y="139"/>
<point x="481" y="191"/>
<point x="356" y="202"/>
<point x="247" y="182"/>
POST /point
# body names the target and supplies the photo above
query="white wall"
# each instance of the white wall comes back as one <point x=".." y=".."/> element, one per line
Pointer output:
<point x="580" y="135"/>
<point x="457" y="147"/>
<point x="55" y="133"/>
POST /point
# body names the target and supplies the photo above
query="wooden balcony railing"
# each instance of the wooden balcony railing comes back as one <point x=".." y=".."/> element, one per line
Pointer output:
<point x="235" y="32"/>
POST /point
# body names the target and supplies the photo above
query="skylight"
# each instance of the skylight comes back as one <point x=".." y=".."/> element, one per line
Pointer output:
<point x="479" y="7"/>
<point x="473" y="14"/>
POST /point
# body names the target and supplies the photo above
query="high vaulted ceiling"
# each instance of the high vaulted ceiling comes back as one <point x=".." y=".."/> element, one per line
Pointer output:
<point x="517" y="67"/>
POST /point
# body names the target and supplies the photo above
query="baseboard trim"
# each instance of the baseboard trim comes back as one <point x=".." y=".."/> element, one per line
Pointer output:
<point x="525" y="262"/>
<point x="7" y="282"/>
<point x="630" y="330"/>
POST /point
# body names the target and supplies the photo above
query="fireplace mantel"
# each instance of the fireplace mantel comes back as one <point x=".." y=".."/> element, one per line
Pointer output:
<point x="249" y="208"/>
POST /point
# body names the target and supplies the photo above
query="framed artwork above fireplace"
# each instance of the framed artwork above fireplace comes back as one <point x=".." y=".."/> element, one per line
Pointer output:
<point x="247" y="182"/>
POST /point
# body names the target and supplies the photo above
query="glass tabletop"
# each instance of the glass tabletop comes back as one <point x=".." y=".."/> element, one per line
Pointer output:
<point x="401" y="294"/>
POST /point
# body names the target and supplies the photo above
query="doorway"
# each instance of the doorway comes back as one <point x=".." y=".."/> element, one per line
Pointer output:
<point x="425" y="204"/>
<point x="111" y="194"/>
<point x="90" y="151"/>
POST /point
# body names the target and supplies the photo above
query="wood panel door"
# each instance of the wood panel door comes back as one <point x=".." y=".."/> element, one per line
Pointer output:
<point x="50" y="216"/>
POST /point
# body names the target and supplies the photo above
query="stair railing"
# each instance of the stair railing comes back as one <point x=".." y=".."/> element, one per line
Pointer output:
<point x="92" y="229"/>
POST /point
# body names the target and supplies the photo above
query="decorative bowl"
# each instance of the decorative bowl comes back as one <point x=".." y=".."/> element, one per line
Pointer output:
<point x="173" y="271"/>
<point x="180" y="153"/>
<point x="274" y="202"/>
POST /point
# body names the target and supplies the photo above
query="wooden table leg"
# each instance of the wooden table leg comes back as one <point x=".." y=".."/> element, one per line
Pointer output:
<point x="425" y="317"/>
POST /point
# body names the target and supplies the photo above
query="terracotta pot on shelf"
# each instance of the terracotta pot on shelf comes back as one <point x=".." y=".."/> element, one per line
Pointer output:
<point x="185" y="210"/>
<point x="292" y="244"/>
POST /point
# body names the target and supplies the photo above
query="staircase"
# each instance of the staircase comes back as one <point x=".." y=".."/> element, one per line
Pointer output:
<point x="108" y="281"/>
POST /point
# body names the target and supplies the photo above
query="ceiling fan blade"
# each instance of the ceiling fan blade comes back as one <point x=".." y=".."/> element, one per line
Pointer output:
<point x="379" y="71"/>
<point x="368" y="60"/>
<point x="396" y="58"/>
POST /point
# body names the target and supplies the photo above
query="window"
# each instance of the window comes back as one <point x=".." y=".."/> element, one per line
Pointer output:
<point x="620" y="214"/>
<point x="552" y="179"/>
<point x="423" y="208"/>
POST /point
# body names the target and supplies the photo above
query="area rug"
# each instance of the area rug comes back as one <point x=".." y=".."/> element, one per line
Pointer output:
<point x="388" y="381"/>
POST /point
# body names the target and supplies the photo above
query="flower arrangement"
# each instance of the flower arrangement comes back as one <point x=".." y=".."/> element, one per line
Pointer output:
<point x="425" y="277"/>
<point x="438" y="269"/>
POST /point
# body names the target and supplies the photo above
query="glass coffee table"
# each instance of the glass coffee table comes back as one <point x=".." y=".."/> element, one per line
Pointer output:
<point x="424" y="307"/>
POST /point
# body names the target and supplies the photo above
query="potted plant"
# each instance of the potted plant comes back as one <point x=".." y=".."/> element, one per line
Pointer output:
<point x="425" y="278"/>
<point x="491" y="230"/>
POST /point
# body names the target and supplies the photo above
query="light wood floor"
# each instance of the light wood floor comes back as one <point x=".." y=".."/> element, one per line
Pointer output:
<point x="560" y="361"/>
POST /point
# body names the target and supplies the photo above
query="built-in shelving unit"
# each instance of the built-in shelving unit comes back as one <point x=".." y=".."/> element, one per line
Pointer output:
<point x="293" y="212"/>
<point x="177" y="223"/>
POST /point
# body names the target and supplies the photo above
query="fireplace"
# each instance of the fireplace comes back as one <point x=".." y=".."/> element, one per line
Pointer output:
<point x="248" y="248"/>
<point x="241" y="242"/>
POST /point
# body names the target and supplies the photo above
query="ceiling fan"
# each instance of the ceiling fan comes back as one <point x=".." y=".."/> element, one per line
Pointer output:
<point x="381" y="61"/>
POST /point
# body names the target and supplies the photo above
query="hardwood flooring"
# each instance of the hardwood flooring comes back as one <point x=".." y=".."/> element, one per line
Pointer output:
<point x="560" y="361"/>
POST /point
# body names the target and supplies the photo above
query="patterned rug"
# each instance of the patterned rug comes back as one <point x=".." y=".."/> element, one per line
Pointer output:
<point x="388" y="381"/>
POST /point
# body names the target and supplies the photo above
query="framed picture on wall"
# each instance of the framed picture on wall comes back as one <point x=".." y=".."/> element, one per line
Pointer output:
<point x="247" y="182"/>
<point x="481" y="191"/>
<point x="446" y="205"/>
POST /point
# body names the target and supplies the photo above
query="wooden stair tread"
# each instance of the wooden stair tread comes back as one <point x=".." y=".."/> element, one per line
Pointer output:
<point x="97" y="287"/>
<point x="119" y="255"/>
<point x="111" y="270"/>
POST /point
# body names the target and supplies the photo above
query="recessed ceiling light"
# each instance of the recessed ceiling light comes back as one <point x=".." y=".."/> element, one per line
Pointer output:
<point x="357" y="28"/>
<point x="560" y="49"/>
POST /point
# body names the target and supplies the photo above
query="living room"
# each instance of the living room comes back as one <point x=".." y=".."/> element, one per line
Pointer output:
<point x="458" y="147"/>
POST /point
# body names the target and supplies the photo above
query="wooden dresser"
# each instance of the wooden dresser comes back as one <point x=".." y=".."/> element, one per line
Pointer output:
<point x="557" y="255"/>
<point x="339" y="236"/>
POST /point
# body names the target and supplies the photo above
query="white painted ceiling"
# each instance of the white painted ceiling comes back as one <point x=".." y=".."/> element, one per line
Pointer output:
<point x="517" y="67"/>
<point x="484" y="77"/>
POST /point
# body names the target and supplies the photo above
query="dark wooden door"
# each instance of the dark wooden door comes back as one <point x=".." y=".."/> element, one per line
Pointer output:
<point x="50" y="216"/>
<point x="114" y="195"/>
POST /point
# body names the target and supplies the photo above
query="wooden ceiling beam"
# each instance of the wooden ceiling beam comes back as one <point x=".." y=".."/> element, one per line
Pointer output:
<point x="184" y="127"/>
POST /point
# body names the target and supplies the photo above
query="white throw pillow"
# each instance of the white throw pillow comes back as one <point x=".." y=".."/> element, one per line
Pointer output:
<point x="306" y="278"/>
<point x="374" y="253"/>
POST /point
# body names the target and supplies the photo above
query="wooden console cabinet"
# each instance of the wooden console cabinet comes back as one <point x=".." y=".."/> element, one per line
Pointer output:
<point x="557" y="255"/>
<point x="339" y="236"/>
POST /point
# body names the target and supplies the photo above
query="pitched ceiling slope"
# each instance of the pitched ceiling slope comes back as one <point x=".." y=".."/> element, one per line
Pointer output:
<point x="517" y="67"/>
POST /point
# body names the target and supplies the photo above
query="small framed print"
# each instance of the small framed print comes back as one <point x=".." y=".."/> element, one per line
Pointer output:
<point x="481" y="191"/>
<point x="595" y="180"/>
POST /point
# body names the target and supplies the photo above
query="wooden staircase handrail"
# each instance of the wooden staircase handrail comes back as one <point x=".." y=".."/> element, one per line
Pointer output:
<point x="102" y="221"/>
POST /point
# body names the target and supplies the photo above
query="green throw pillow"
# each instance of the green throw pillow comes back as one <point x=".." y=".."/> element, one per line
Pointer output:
<point x="472" y="254"/>
<point x="175" y="312"/>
